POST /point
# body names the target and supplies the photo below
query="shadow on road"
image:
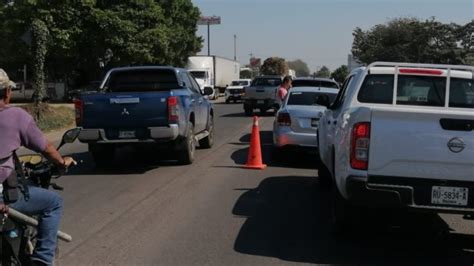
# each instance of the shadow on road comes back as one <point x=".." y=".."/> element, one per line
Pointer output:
<point x="287" y="158"/>
<point x="126" y="161"/>
<point x="242" y="114"/>
<point x="288" y="218"/>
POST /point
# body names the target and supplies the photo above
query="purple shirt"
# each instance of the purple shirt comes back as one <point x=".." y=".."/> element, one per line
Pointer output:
<point x="17" y="128"/>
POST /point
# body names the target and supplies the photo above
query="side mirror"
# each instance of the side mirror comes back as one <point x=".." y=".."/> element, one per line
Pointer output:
<point x="323" y="100"/>
<point x="208" y="91"/>
<point x="70" y="136"/>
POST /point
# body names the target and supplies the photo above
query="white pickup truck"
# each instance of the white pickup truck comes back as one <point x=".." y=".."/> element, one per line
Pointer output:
<point x="400" y="134"/>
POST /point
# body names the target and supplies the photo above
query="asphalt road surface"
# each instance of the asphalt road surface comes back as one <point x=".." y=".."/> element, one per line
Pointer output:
<point x="147" y="210"/>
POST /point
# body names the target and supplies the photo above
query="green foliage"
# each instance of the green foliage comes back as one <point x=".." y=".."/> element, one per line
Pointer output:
<point x="300" y="67"/>
<point x="412" y="40"/>
<point x="274" y="66"/>
<point x="340" y="73"/>
<point x="87" y="37"/>
<point x="324" y="72"/>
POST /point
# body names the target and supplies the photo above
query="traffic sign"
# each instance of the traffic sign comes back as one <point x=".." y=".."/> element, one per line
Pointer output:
<point x="209" y="20"/>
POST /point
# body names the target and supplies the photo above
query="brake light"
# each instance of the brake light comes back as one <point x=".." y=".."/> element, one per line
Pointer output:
<point x="79" y="110"/>
<point x="284" y="119"/>
<point x="360" y="146"/>
<point x="173" y="110"/>
<point x="434" y="72"/>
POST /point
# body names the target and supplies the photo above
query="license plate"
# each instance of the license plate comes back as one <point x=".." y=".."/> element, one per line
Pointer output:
<point x="314" y="122"/>
<point x="449" y="195"/>
<point x="260" y="102"/>
<point x="126" y="134"/>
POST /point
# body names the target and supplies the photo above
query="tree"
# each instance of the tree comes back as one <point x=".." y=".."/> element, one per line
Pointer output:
<point x="340" y="73"/>
<point x="410" y="40"/>
<point x="324" y="72"/>
<point x="274" y="66"/>
<point x="88" y="37"/>
<point x="300" y="67"/>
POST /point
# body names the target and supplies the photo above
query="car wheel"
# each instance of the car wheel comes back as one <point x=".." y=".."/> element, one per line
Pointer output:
<point x="248" y="111"/>
<point x="187" y="147"/>
<point x="102" y="154"/>
<point x="208" y="141"/>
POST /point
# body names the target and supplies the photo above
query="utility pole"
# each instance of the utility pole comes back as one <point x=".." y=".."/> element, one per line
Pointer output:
<point x="235" y="47"/>
<point x="208" y="39"/>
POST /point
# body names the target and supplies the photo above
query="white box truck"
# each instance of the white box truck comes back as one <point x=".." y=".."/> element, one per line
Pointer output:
<point x="213" y="71"/>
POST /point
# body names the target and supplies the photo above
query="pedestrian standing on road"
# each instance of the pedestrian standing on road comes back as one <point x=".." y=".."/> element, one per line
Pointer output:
<point x="283" y="90"/>
<point x="17" y="128"/>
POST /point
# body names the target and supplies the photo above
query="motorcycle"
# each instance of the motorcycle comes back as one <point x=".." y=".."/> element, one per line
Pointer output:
<point x="18" y="231"/>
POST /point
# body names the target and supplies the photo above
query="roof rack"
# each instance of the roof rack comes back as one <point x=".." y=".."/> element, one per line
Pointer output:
<point x="418" y="65"/>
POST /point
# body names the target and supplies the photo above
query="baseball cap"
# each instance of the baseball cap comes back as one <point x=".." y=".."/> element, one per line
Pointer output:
<point x="5" y="82"/>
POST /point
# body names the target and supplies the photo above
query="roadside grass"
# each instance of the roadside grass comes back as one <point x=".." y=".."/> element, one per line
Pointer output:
<point x="52" y="117"/>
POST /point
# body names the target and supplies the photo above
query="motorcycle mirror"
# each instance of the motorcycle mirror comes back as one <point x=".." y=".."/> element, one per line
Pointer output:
<point x="70" y="136"/>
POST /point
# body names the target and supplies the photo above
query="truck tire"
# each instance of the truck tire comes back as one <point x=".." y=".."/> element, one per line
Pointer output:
<point x="103" y="154"/>
<point x="341" y="212"/>
<point x="248" y="110"/>
<point x="324" y="176"/>
<point x="263" y="111"/>
<point x="208" y="141"/>
<point x="187" y="147"/>
<point x="227" y="101"/>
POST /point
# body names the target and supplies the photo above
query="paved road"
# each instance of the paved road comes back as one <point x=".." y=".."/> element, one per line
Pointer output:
<point x="149" y="211"/>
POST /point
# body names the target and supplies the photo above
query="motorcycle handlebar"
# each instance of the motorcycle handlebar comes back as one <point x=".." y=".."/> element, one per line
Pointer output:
<point x="33" y="222"/>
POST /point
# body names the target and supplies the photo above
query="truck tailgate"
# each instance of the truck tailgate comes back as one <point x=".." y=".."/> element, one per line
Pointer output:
<point x="260" y="92"/>
<point x="125" y="110"/>
<point x="412" y="144"/>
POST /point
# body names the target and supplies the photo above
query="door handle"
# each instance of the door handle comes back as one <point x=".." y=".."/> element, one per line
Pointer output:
<point x="193" y="100"/>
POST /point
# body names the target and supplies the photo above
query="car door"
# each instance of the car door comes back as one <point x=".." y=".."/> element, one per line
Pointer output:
<point x="330" y="119"/>
<point x="201" y="107"/>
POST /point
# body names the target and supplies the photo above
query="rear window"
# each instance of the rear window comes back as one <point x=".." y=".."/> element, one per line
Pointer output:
<point x="198" y="74"/>
<point x="377" y="89"/>
<point x="142" y="80"/>
<point x="307" y="98"/>
<point x="314" y="83"/>
<point x="267" y="82"/>
<point x="461" y="93"/>
<point x="421" y="90"/>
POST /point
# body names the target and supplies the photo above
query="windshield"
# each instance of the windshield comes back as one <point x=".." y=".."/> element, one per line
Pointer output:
<point x="198" y="74"/>
<point x="142" y="80"/>
<point x="239" y="83"/>
<point x="267" y="82"/>
<point x="314" y="83"/>
<point x="307" y="97"/>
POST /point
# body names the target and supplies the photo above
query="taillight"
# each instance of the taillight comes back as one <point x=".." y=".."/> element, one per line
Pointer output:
<point x="360" y="146"/>
<point x="79" y="110"/>
<point x="284" y="119"/>
<point x="173" y="111"/>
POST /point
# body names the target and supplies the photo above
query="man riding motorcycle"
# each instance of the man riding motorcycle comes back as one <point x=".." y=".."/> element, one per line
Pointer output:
<point x="17" y="128"/>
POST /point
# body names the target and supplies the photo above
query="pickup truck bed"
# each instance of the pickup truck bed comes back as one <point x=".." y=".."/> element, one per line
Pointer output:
<point x="261" y="94"/>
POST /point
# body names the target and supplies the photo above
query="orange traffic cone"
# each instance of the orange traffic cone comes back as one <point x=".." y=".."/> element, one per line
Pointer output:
<point x="254" y="160"/>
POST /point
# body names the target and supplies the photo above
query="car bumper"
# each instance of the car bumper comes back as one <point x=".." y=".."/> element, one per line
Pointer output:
<point x="153" y="134"/>
<point x="285" y="136"/>
<point x="233" y="96"/>
<point x="413" y="193"/>
<point x="263" y="103"/>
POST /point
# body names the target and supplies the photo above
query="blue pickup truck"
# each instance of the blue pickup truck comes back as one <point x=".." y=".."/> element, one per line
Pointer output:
<point x="146" y="105"/>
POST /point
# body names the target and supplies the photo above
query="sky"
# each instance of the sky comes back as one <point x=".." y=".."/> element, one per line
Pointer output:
<point x="317" y="31"/>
